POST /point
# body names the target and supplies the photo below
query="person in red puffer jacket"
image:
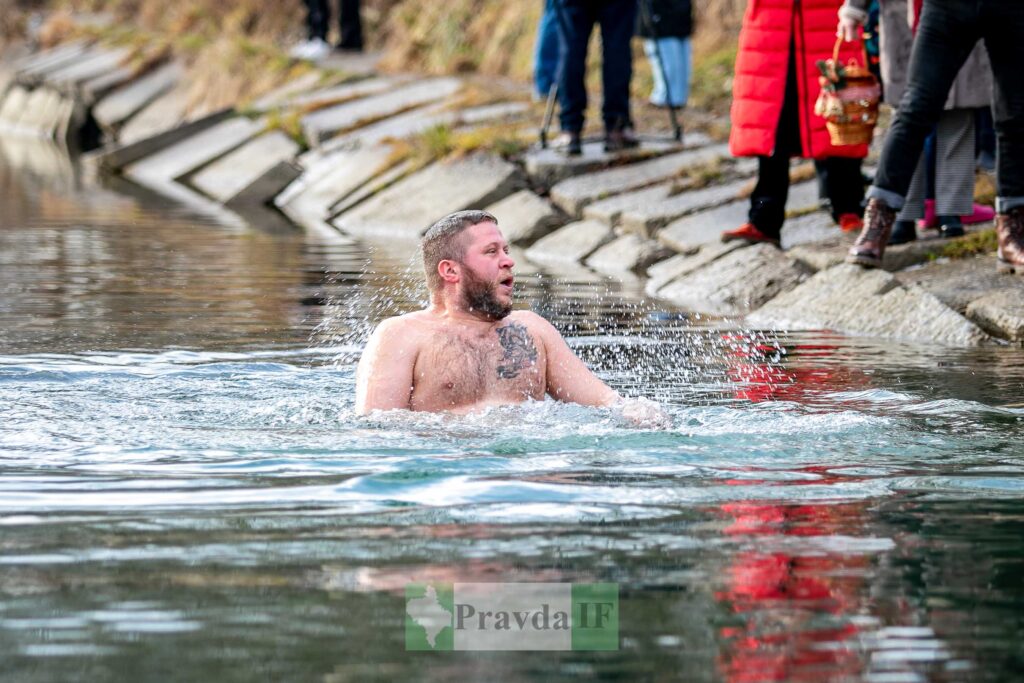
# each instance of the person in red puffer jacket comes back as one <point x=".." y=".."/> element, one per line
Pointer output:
<point x="775" y="87"/>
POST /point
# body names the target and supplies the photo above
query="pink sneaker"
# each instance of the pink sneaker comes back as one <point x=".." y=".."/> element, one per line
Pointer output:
<point x="982" y="214"/>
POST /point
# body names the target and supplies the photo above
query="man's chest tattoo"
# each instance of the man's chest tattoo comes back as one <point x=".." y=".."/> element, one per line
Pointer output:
<point x="520" y="351"/>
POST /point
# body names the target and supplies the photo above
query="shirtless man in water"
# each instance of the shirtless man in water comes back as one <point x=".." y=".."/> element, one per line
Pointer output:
<point x="469" y="350"/>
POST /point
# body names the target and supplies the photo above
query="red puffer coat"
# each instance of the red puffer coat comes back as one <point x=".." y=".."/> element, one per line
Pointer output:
<point x="761" y="65"/>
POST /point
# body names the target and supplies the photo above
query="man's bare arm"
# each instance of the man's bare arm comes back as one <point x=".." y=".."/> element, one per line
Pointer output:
<point x="384" y="377"/>
<point x="569" y="379"/>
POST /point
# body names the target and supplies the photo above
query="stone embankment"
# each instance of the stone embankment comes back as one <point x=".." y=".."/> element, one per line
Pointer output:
<point x="335" y="166"/>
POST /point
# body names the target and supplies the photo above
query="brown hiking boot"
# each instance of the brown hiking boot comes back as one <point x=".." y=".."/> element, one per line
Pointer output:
<point x="1010" y="231"/>
<point x="869" y="248"/>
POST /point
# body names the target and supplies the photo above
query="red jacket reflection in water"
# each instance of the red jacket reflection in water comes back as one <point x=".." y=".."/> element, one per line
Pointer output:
<point x="794" y="603"/>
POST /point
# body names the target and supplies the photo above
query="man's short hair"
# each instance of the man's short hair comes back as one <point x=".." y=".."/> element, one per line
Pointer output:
<point x="441" y="241"/>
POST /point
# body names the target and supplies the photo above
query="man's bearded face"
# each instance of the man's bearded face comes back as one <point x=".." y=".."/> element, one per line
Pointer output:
<point x="481" y="296"/>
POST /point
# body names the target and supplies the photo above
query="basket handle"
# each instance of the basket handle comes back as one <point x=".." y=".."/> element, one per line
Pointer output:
<point x="839" y="43"/>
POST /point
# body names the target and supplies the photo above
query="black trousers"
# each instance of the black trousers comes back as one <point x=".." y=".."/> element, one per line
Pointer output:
<point x="318" y="19"/>
<point x="840" y="176"/>
<point x="948" y="31"/>
<point x="617" y="19"/>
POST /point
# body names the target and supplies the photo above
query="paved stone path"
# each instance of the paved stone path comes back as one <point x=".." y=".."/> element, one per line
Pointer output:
<point x="654" y="213"/>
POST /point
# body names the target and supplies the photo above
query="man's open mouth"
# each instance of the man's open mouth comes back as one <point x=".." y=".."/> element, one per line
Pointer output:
<point x="507" y="282"/>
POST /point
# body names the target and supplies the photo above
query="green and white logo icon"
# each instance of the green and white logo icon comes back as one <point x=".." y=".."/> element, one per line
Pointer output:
<point x="429" y="616"/>
<point x="512" y="616"/>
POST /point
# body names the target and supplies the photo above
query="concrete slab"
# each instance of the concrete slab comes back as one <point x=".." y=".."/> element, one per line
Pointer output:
<point x="117" y="157"/>
<point x="279" y="97"/>
<point x="395" y="127"/>
<point x="70" y="117"/>
<point x="313" y="194"/>
<point x="53" y="112"/>
<point x="958" y="282"/>
<point x="547" y="167"/>
<point x="680" y="265"/>
<point x="525" y="217"/>
<point x="116" y="108"/>
<point x="341" y="92"/>
<point x="35" y="66"/>
<point x="6" y="81"/>
<point x="324" y="123"/>
<point x="573" y="194"/>
<point x="706" y="226"/>
<point x="236" y="170"/>
<point x="812" y="228"/>
<point x="101" y="61"/>
<point x="12" y="107"/>
<point x="416" y="121"/>
<point x="490" y="112"/>
<point x="626" y="254"/>
<point x="410" y="206"/>
<point x="268" y="185"/>
<point x="360" y="63"/>
<point x="1000" y="313"/>
<point x="571" y="244"/>
<point x="34" y="57"/>
<point x="647" y="220"/>
<point x="852" y="300"/>
<point x="375" y="186"/>
<point x="826" y="254"/>
<point x="162" y="114"/>
<point x="95" y="89"/>
<point x="610" y="210"/>
<point x="39" y="114"/>
<point x="186" y="156"/>
<point x="735" y="283"/>
<point x="818" y="256"/>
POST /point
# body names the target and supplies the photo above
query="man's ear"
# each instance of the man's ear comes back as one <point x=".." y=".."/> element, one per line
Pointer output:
<point x="448" y="270"/>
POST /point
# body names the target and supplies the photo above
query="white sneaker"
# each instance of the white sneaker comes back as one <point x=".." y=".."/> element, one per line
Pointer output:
<point x="313" y="49"/>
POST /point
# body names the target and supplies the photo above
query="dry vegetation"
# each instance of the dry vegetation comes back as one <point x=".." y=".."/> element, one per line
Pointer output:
<point x="236" y="50"/>
<point x="239" y="45"/>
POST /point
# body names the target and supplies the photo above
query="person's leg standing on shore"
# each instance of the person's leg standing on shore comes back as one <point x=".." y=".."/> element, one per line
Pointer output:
<point x="546" y="52"/>
<point x="617" y="19"/>
<point x="317" y="19"/>
<point x="350" y="24"/>
<point x="579" y="18"/>
<point x="946" y="35"/>
<point x="768" y="199"/>
<point x="954" y="170"/>
<point x="1003" y="28"/>
<point x="844" y="186"/>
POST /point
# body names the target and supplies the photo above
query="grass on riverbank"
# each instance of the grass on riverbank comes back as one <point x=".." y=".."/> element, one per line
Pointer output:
<point x="981" y="242"/>
<point x="443" y="141"/>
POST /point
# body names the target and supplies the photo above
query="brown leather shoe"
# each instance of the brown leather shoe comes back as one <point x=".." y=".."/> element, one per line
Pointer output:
<point x="1010" y="231"/>
<point x="869" y="248"/>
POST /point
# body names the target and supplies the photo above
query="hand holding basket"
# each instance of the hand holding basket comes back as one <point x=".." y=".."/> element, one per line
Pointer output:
<point x="849" y="99"/>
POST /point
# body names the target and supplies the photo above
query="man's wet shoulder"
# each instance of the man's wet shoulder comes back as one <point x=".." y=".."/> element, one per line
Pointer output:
<point x="533" y="322"/>
<point x="407" y="323"/>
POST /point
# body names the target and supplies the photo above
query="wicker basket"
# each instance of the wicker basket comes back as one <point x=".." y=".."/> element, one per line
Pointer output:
<point x="849" y="100"/>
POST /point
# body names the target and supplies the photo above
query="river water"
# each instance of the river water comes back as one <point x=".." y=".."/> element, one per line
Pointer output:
<point x="186" y="494"/>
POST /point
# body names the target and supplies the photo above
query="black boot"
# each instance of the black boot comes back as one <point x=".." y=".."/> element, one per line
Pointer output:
<point x="950" y="226"/>
<point x="903" y="232"/>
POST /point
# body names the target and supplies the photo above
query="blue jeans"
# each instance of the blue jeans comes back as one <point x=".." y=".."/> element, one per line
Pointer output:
<point x="947" y="33"/>
<point x="676" y="55"/>
<point x="617" y="19"/>
<point x="547" y="51"/>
